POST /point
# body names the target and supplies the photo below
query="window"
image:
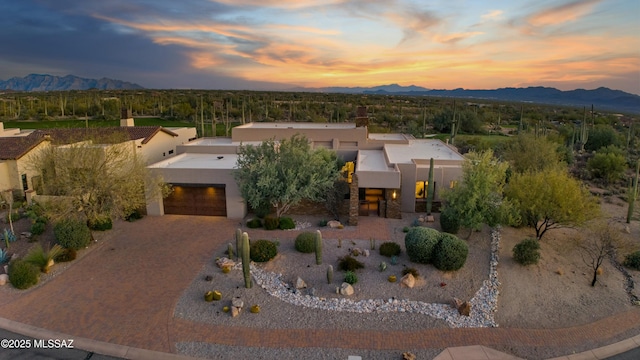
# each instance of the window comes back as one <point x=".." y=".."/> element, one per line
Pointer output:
<point x="421" y="187"/>
<point x="164" y="154"/>
<point x="170" y="152"/>
<point x="25" y="185"/>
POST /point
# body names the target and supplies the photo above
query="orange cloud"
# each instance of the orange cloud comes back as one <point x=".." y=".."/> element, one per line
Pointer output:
<point x="563" y="13"/>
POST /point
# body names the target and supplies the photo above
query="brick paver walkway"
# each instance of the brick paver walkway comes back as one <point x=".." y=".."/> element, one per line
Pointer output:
<point x="125" y="290"/>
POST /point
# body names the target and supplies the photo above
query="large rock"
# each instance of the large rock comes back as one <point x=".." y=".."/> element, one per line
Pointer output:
<point x="408" y="356"/>
<point x="334" y="224"/>
<point x="300" y="284"/>
<point x="408" y="281"/>
<point x="235" y="311"/>
<point x="237" y="302"/>
<point x="225" y="262"/>
<point x="4" y="279"/>
<point x="346" y="289"/>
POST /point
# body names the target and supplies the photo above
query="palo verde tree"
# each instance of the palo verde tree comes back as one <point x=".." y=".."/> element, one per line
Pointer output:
<point x="101" y="178"/>
<point x="550" y="199"/>
<point x="478" y="199"/>
<point x="284" y="173"/>
<point x="529" y="152"/>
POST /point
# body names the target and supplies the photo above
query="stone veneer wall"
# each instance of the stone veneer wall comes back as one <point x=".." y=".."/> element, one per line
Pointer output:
<point x="306" y="207"/>
<point x="354" y="201"/>
<point x="393" y="206"/>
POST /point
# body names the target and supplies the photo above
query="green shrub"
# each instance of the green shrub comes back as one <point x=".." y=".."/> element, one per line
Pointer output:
<point x="420" y="242"/>
<point x="133" y="216"/>
<point x="350" y="277"/>
<point x="450" y="253"/>
<point x="412" y="271"/>
<point x="389" y="249"/>
<point x="632" y="260"/>
<point x="254" y="223"/>
<point x="322" y="223"/>
<point x="405" y="229"/>
<point x="450" y="220"/>
<point x="349" y="263"/>
<point x="263" y="250"/>
<point x="306" y="242"/>
<point x="67" y="255"/>
<point x="286" y="223"/>
<point x="38" y="228"/>
<point x="23" y="275"/>
<point x="271" y="223"/>
<point x="43" y="259"/>
<point x="72" y="234"/>
<point x="102" y="223"/>
<point x="527" y="252"/>
<point x="262" y="210"/>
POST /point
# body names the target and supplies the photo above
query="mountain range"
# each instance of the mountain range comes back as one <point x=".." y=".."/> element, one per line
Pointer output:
<point x="38" y="82"/>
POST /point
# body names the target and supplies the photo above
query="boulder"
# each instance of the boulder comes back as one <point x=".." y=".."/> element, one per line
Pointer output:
<point x="225" y="262"/>
<point x="366" y="253"/>
<point x="4" y="279"/>
<point x="235" y="311"/>
<point x="408" y="356"/>
<point x="408" y="281"/>
<point x="346" y="289"/>
<point x="430" y="218"/>
<point x="300" y="284"/>
<point x="25" y="235"/>
<point x="237" y="303"/>
<point x="334" y="224"/>
<point x="356" y="251"/>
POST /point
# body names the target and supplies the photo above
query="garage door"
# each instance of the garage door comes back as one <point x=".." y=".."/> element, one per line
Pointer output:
<point x="196" y="200"/>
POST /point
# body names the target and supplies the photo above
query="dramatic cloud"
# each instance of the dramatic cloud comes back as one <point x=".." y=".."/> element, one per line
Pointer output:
<point x="269" y="44"/>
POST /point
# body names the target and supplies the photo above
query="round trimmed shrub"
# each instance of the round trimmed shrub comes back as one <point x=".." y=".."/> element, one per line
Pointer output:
<point x="527" y="252"/>
<point x="450" y="220"/>
<point x="389" y="249"/>
<point x="271" y="223"/>
<point x="632" y="261"/>
<point x="23" y="275"/>
<point x="450" y="253"/>
<point x="286" y="223"/>
<point x="420" y="242"/>
<point x="306" y="242"/>
<point x="72" y="234"/>
<point x="254" y="223"/>
<point x="350" y="277"/>
<point x="38" y="228"/>
<point x="263" y="250"/>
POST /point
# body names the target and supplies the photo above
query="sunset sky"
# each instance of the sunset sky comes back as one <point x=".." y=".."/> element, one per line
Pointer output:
<point x="281" y="44"/>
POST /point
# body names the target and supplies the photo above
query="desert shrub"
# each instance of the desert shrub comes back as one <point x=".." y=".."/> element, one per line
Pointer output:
<point x="322" y="223"/>
<point x="271" y="223"/>
<point x="411" y="271"/>
<point x="405" y="229"/>
<point x="133" y="216"/>
<point x="420" y="242"/>
<point x="72" y="234"/>
<point x="254" y="223"/>
<point x="263" y="250"/>
<point x="632" y="260"/>
<point x="349" y="263"/>
<point x="306" y="242"/>
<point x="66" y="255"/>
<point x="450" y="253"/>
<point x="102" y="223"/>
<point x="450" y="220"/>
<point x="350" y="277"/>
<point x="527" y="252"/>
<point x="43" y="259"/>
<point x="389" y="249"/>
<point x="23" y="275"/>
<point x="286" y="223"/>
<point x="38" y="228"/>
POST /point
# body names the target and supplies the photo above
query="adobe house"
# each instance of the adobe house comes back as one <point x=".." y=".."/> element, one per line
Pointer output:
<point x="16" y="173"/>
<point x="390" y="170"/>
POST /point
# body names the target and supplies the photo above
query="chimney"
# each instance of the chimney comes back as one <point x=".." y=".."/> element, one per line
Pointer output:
<point x="362" y="119"/>
<point x="126" y="119"/>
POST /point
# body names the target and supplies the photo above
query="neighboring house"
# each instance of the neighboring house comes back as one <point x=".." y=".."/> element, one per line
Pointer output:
<point x="391" y="170"/>
<point x="16" y="172"/>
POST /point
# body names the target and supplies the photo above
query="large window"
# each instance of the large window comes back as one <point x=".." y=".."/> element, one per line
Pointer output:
<point x="421" y="189"/>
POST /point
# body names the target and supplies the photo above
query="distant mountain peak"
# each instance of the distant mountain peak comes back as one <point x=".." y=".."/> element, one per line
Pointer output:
<point x="46" y="82"/>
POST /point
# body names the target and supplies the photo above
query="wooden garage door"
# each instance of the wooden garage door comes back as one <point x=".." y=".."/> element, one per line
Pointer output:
<point x="193" y="200"/>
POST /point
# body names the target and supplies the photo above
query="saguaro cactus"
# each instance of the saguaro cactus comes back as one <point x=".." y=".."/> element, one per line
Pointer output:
<point x="246" y="261"/>
<point x="230" y="251"/>
<point x="430" y="188"/>
<point x="330" y="274"/>
<point x="633" y="193"/>
<point x="318" y="247"/>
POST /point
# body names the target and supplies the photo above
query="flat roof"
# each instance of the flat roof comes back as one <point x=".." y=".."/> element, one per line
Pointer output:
<point x="382" y="136"/>
<point x="210" y="141"/>
<point x="296" y="125"/>
<point x="372" y="160"/>
<point x="420" y="149"/>
<point x="198" y="161"/>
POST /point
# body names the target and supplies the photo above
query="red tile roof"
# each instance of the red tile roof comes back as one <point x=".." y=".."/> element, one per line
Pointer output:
<point x="15" y="147"/>
<point x="105" y="134"/>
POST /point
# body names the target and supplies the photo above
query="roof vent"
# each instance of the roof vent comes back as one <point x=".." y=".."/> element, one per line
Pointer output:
<point x="220" y="157"/>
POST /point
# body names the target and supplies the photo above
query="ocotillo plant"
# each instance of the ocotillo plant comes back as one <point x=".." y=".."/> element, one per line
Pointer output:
<point x="246" y="261"/>
<point x="318" y="247"/>
<point x="633" y="193"/>
<point x="238" y="242"/>
<point x="330" y="274"/>
<point x="430" y="188"/>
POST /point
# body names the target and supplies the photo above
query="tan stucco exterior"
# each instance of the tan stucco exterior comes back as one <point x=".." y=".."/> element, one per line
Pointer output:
<point x="11" y="171"/>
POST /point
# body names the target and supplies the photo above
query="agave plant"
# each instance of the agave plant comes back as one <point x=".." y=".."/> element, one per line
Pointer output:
<point x="3" y="256"/>
<point x="8" y="237"/>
